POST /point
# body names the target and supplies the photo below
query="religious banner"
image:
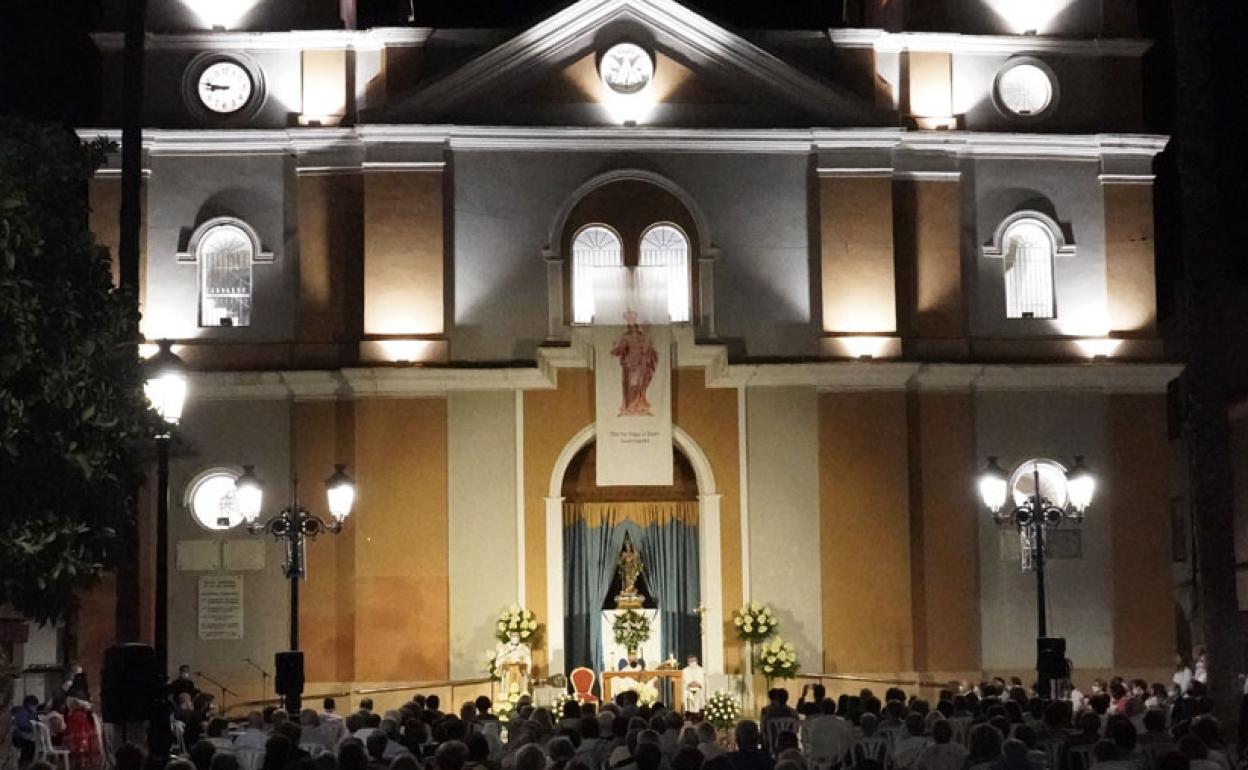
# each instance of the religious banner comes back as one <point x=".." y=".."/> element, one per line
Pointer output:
<point x="633" y="402"/>
<point x="221" y="607"/>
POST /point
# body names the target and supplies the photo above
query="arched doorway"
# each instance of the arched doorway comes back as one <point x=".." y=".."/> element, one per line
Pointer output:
<point x="708" y="534"/>
<point x="661" y="524"/>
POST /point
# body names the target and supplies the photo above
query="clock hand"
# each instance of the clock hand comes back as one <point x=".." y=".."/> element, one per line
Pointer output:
<point x="215" y="87"/>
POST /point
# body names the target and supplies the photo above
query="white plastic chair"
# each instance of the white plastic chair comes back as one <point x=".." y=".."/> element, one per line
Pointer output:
<point x="314" y="749"/>
<point x="774" y="727"/>
<point x="873" y="748"/>
<point x="45" y="750"/>
<point x="179" y="738"/>
<point x="1081" y="757"/>
<point x="249" y="759"/>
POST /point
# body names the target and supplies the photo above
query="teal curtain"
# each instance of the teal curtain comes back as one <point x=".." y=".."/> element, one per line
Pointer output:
<point x="666" y="536"/>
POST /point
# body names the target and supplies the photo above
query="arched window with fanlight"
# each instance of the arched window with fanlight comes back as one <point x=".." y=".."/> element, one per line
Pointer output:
<point x="1027" y="243"/>
<point x="226" y="250"/>
<point x="665" y="246"/>
<point x="594" y="246"/>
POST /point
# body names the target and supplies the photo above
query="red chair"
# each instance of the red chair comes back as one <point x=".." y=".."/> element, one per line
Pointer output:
<point x="582" y="683"/>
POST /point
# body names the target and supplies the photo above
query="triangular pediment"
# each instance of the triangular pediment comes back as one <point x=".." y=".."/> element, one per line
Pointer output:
<point x="704" y="76"/>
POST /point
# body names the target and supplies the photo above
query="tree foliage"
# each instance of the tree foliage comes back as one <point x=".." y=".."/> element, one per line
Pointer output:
<point x="72" y="410"/>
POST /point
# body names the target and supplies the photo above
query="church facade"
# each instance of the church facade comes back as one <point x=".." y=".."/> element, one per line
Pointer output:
<point x="888" y="256"/>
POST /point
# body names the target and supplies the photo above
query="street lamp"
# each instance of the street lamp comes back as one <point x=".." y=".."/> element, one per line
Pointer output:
<point x="1045" y="496"/>
<point x="165" y="386"/>
<point x="293" y="526"/>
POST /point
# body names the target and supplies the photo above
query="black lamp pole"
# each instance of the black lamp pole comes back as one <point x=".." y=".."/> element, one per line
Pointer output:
<point x="161" y="634"/>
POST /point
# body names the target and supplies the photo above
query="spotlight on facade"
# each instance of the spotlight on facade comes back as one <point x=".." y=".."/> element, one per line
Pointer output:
<point x="865" y="347"/>
<point x="1098" y="347"/>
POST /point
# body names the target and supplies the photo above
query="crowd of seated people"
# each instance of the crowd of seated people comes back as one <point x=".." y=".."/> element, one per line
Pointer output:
<point x="66" y="723"/>
<point x="995" y="725"/>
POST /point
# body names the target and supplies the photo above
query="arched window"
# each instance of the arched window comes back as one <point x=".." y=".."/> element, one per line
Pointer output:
<point x="1028" y="271"/>
<point x="1027" y="242"/>
<point x="594" y="246"/>
<point x="667" y="247"/>
<point x="225" y="253"/>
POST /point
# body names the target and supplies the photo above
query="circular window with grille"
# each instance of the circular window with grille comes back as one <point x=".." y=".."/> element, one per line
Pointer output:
<point x="1025" y="88"/>
<point x="210" y="498"/>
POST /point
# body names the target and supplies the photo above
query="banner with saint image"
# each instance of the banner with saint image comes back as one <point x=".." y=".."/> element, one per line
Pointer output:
<point x="633" y="377"/>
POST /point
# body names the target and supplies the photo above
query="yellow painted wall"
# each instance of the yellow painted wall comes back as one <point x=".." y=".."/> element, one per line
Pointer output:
<point x="324" y="85"/>
<point x="929" y="258"/>
<point x="944" y="529"/>
<point x="324" y="434"/>
<point x="403" y="252"/>
<point x="1138" y="504"/>
<point x="856" y="226"/>
<point x="401" y="584"/>
<point x="931" y="84"/>
<point x="1129" y="261"/>
<point x="868" y="621"/>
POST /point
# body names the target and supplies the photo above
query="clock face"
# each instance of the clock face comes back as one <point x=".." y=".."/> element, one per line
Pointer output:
<point x="224" y="87"/>
<point x="626" y="68"/>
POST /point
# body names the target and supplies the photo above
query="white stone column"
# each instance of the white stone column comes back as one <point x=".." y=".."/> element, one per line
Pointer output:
<point x="554" y="586"/>
<point x="710" y="577"/>
<point x="556" y="329"/>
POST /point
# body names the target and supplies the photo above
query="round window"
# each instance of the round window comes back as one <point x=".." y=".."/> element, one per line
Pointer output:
<point x="211" y="500"/>
<point x="1026" y="88"/>
<point x="1052" y="476"/>
<point x="626" y="68"/>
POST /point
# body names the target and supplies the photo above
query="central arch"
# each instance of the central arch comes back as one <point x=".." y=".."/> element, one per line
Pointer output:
<point x="709" y="572"/>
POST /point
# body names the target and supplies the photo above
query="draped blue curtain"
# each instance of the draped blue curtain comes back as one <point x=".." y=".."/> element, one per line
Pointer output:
<point x="666" y="536"/>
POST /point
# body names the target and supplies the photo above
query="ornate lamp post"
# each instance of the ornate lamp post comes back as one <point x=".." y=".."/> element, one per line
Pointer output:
<point x="1046" y="495"/>
<point x="165" y="387"/>
<point x="293" y="526"/>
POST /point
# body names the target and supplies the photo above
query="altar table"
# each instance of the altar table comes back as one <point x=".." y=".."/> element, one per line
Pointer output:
<point x="672" y="674"/>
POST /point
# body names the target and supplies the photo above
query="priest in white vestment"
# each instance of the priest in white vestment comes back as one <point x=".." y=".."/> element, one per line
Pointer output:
<point x="693" y="685"/>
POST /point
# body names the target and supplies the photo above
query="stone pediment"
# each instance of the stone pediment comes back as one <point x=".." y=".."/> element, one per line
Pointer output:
<point x="702" y="76"/>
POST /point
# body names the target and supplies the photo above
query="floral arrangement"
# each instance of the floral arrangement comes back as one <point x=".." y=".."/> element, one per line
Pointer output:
<point x="777" y="659"/>
<point x="491" y="665"/>
<point x="721" y="710"/>
<point x="755" y="622"/>
<point x="631" y="629"/>
<point x="506" y="706"/>
<point x="516" y="620"/>
<point x="560" y="700"/>
<point x="647" y="694"/>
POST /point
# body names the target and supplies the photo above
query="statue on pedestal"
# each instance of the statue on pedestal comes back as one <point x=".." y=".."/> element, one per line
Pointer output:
<point x="630" y="568"/>
<point x="513" y="660"/>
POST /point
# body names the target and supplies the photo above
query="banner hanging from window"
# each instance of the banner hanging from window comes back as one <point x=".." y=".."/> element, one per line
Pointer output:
<point x="633" y="386"/>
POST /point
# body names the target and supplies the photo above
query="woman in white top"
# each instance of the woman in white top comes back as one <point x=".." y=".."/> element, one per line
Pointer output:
<point x="1182" y="674"/>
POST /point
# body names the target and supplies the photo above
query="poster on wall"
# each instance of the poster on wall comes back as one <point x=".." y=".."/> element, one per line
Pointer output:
<point x="221" y="607"/>
<point x="633" y="403"/>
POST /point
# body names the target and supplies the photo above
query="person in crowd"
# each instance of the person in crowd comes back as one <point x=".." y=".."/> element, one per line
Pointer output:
<point x="201" y="753"/>
<point x="453" y="754"/>
<point x="484" y="706"/>
<point x="749" y="754"/>
<point x="871" y="750"/>
<point x="311" y="731"/>
<point x="1183" y="676"/>
<point x="943" y="753"/>
<point x="366" y="705"/>
<point x="352" y="755"/>
<point x="593" y="750"/>
<point x="983" y="747"/>
<point x="182" y="684"/>
<point x="708" y="741"/>
<point x="687" y="758"/>
<point x="778" y="705"/>
<point x="376" y="745"/>
<point x="1197" y="753"/>
<point x="277" y="752"/>
<point x="329" y="711"/>
<point x="23" y="720"/>
<point x="81" y="738"/>
<point x="225" y="760"/>
<point x="911" y="742"/>
<point x="77" y="680"/>
<point x="253" y="736"/>
<point x="218" y="734"/>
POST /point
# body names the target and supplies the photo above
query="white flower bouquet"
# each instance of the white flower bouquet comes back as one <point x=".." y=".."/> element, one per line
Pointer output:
<point x="647" y="694"/>
<point x="755" y="622"/>
<point x="506" y="706"/>
<point x="560" y="701"/>
<point x="491" y="665"/>
<point x="777" y="660"/>
<point x="721" y="710"/>
<point x="516" y="620"/>
<point x="631" y="629"/>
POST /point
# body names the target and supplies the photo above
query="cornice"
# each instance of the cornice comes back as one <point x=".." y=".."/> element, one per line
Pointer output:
<point x="293" y="40"/>
<point x="1001" y="45"/>
<point x="827" y="377"/>
<point x="1115" y="151"/>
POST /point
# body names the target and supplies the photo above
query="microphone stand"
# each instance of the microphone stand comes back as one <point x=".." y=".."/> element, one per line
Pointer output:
<point x="264" y="677"/>
<point x="224" y="689"/>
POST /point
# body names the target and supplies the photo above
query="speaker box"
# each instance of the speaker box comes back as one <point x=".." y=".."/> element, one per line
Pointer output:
<point x="1051" y="658"/>
<point x="289" y="679"/>
<point x="129" y="683"/>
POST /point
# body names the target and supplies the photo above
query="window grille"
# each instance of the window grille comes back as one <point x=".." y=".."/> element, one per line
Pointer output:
<point x="666" y="246"/>
<point x="1029" y="272"/>
<point x="594" y="246"/>
<point x="226" y="254"/>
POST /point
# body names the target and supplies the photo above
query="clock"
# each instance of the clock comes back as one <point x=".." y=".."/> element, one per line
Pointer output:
<point x="224" y="87"/>
<point x="626" y="68"/>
